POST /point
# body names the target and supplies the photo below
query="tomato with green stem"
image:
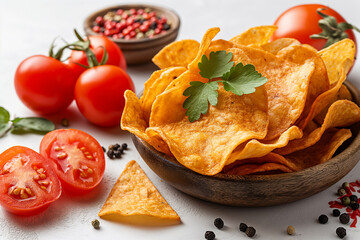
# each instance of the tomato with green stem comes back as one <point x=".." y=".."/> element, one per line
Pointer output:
<point x="77" y="158"/>
<point x="99" y="92"/>
<point x="313" y="24"/>
<point x="97" y="44"/>
<point x="28" y="183"/>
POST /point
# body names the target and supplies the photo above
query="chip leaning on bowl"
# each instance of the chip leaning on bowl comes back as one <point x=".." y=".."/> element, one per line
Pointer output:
<point x="292" y="120"/>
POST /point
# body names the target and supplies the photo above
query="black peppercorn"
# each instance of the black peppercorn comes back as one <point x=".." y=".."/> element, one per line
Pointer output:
<point x="219" y="223"/>
<point x="353" y="198"/>
<point x="344" y="218"/>
<point x="104" y="149"/>
<point x="323" y="219"/>
<point x="336" y="212"/>
<point x="117" y="154"/>
<point x="243" y="227"/>
<point x="166" y="26"/>
<point x="110" y="154"/>
<point x="153" y="25"/>
<point x="209" y="235"/>
<point x="116" y="146"/>
<point x="250" y="231"/>
<point x="124" y="146"/>
<point x="354" y="205"/>
<point x="341" y="232"/>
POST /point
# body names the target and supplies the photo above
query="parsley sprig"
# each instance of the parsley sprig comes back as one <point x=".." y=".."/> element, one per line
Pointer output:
<point x="238" y="79"/>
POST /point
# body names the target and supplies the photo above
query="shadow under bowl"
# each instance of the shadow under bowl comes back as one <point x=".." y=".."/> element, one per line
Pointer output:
<point x="256" y="190"/>
<point x="139" y="51"/>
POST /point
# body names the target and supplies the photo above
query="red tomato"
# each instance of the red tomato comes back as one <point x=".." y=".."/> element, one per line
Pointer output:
<point x="44" y="84"/>
<point x="97" y="45"/>
<point x="28" y="183"/>
<point x="78" y="159"/>
<point x="301" y="21"/>
<point x="99" y="94"/>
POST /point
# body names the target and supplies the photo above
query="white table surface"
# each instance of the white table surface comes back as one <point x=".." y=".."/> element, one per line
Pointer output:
<point x="28" y="27"/>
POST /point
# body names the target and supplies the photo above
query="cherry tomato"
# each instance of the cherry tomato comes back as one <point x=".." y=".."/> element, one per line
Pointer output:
<point x="77" y="158"/>
<point x="97" y="45"/>
<point x="44" y="84"/>
<point x="302" y="21"/>
<point x="28" y="182"/>
<point x="99" y="94"/>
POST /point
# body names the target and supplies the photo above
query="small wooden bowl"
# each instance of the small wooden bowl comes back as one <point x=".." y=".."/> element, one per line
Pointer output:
<point x="256" y="190"/>
<point x="139" y="51"/>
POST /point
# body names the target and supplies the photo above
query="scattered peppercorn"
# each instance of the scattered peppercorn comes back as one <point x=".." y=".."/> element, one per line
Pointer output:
<point x="323" y="219"/>
<point x="124" y="146"/>
<point x="341" y="192"/>
<point x="104" y="149"/>
<point x="110" y="154"/>
<point x="209" y="235"/>
<point x="95" y="223"/>
<point x="345" y="185"/>
<point x="65" y="122"/>
<point x="243" y="227"/>
<point x="219" y="223"/>
<point x="353" y="198"/>
<point x="341" y="232"/>
<point x="344" y="218"/>
<point x="345" y="201"/>
<point x="336" y="212"/>
<point x="250" y="231"/>
<point x="290" y="230"/>
<point x="354" y="205"/>
<point x="116" y="150"/>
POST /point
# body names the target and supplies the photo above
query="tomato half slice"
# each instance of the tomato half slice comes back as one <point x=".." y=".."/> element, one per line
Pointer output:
<point x="78" y="159"/>
<point x="28" y="184"/>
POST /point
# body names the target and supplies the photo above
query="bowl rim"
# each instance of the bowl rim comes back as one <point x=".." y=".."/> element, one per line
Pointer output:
<point x="351" y="149"/>
<point x="173" y="30"/>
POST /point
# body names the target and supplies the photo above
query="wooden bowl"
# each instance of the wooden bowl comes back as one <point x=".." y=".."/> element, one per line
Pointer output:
<point x="256" y="190"/>
<point x="139" y="51"/>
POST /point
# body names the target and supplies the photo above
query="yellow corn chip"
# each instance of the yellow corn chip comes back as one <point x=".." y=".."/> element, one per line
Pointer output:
<point x="135" y="200"/>
<point x="254" y="36"/>
<point x="286" y="89"/>
<point x="322" y="151"/>
<point x="177" y="54"/>
<point x="335" y="55"/>
<point x="257" y="148"/>
<point x="133" y="120"/>
<point x="342" y="113"/>
<point x="204" y="45"/>
<point x="279" y="44"/>
<point x="166" y="77"/>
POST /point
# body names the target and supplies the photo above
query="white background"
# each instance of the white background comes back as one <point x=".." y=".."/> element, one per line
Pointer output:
<point x="28" y="28"/>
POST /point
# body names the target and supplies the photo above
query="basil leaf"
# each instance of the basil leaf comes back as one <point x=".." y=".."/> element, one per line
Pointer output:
<point x="4" y="128"/>
<point x="4" y="115"/>
<point x="32" y="125"/>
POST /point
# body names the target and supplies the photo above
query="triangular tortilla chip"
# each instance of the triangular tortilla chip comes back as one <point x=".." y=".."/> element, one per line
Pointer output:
<point x="135" y="200"/>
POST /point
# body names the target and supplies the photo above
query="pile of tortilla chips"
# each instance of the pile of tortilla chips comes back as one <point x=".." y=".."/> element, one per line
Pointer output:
<point x="295" y="121"/>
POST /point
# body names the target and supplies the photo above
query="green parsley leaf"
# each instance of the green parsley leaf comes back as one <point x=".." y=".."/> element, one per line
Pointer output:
<point x="237" y="79"/>
<point x="242" y="79"/>
<point x="4" y="115"/>
<point x="200" y="95"/>
<point x="217" y="65"/>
